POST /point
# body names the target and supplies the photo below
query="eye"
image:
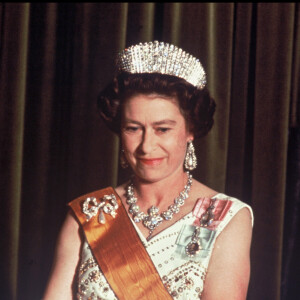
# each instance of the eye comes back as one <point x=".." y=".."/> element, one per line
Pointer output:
<point x="163" y="129"/>
<point x="131" y="128"/>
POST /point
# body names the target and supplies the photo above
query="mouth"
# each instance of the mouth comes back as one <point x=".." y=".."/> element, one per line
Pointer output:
<point x="151" y="161"/>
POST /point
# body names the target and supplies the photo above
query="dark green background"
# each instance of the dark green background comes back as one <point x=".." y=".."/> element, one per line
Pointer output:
<point x="56" y="57"/>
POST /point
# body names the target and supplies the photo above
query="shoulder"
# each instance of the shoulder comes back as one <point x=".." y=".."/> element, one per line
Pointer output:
<point x="89" y="200"/>
<point x="234" y="233"/>
<point x="238" y="210"/>
<point x="201" y="190"/>
<point x="96" y="194"/>
<point x="233" y="207"/>
<point x="121" y="189"/>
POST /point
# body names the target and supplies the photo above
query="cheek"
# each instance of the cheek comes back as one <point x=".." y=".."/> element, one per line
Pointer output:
<point x="129" y="143"/>
<point x="182" y="139"/>
<point x="178" y="145"/>
<point x="182" y="142"/>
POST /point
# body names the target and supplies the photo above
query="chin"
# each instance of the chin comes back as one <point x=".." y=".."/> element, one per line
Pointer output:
<point x="153" y="175"/>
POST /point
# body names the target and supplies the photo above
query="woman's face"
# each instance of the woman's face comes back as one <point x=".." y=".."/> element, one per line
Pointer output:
<point x="154" y="136"/>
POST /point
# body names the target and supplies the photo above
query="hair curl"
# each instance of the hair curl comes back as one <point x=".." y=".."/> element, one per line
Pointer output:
<point x="196" y="105"/>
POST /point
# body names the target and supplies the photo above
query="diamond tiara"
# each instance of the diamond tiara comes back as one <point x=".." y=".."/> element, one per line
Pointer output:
<point x="163" y="58"/>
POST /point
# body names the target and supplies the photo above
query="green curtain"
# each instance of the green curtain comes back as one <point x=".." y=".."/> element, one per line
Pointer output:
<point x="56" y="57"/>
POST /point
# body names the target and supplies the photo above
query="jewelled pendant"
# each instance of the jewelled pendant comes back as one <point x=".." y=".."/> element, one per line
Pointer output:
<point x="207" y="218"/>
<point x="152" y="221"/>
<point x="193" y="248"/>
<point x="101" y="217"/>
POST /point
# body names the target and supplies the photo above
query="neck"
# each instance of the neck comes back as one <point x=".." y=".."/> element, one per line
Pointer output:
<point x="160" y="193"/>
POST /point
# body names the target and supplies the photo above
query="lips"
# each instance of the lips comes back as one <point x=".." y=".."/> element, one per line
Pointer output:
<point x="151" y="161"/>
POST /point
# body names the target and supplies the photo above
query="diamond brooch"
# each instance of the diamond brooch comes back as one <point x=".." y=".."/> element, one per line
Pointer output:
<point x="108" y="205"/>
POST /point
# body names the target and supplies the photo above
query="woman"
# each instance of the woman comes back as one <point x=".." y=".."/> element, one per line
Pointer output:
<point x="163" y="234"/>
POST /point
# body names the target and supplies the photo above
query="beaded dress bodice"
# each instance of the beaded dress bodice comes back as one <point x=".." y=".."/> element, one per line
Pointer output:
<point x="182" y="276"/>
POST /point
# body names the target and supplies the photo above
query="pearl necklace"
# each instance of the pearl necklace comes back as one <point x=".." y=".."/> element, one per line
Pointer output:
<point x="153" y="219"/>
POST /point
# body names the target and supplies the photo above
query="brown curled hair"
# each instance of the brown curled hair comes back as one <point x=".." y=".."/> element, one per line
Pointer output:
<point x="196" y="105"/>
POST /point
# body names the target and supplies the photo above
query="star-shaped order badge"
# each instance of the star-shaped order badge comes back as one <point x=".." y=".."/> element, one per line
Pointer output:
<point x="195" y="241"/>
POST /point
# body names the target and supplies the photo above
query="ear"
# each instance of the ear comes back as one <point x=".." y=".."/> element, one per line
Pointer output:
<point x="190" y="137"/>
<point x="189" y="132"/>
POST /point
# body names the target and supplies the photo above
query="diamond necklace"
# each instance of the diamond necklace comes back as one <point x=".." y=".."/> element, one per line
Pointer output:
<point x="153" y="219"/>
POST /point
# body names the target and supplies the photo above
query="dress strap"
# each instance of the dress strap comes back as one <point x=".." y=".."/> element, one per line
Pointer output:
<point x="116" y="246"/>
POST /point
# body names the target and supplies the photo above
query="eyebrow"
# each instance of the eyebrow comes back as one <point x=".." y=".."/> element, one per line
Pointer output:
<point x="165" y="122"/>
<point x="157" y="123"/>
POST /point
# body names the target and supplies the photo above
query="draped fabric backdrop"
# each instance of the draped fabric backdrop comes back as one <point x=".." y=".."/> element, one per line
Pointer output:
<point x="56" y="57"/>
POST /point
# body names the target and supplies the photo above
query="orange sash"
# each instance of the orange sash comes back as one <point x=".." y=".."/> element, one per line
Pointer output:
<point x="120" y="253"/>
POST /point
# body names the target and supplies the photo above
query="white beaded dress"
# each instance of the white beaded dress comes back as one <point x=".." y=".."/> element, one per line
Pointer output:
<point x="182" y="276"/>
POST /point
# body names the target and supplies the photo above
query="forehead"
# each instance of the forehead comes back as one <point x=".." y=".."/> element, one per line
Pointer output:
<point x="151" y="104"/>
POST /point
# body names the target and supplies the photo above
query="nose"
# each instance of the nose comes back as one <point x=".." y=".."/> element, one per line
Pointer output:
<point x="148" y="142"/>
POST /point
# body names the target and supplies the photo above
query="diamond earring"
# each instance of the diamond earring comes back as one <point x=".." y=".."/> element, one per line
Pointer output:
<point x="190" y="162"/>
<point x="123" y="161"/>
